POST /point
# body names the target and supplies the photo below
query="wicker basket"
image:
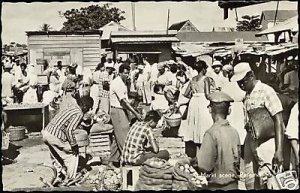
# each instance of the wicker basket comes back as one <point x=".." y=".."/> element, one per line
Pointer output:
<point x="173" y="122"/>
<point x="16" y="133"/>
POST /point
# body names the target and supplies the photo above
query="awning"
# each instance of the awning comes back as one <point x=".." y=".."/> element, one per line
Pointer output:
<point x="288" y="25"/>
<point x="139" y="52"/>
<point x="193" y="50"/>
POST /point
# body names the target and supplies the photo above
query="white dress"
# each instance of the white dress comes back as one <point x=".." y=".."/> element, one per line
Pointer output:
<point x="237" y="117"/>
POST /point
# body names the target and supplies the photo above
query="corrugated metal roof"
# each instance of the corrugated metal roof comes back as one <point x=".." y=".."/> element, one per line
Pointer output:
<point x="143" y="39"/>
<point x="282" y="15"/>
<point x="290" y="24"/>
<point x="144" y="33"/>
<point x="213" y="37"/>
<point x="88" y="32"/>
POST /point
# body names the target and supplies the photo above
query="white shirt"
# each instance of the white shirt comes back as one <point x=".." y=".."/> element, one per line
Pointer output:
<point x="154" y="72"/>
<point x="117" y="92"/>
<point x="219" y="79"/>
<point x="293" y="124"/>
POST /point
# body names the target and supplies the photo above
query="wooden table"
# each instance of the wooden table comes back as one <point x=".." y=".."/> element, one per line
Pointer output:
<point x="34" y="116"/>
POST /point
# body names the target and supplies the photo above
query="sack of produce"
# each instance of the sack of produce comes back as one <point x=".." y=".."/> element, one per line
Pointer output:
<point x="165" y="176"/>
<point x="185" y="177"/>
<point x="140" y="187"/>
<point x="101" y="128"/>
<point x="155" y="174"/>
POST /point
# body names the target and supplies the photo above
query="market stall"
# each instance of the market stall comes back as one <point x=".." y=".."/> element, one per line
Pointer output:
<point x="33" y="116"/>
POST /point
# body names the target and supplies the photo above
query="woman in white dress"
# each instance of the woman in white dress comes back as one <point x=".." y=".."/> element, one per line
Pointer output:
<point x="198" y="117"/>
<point x="236" y="118"/>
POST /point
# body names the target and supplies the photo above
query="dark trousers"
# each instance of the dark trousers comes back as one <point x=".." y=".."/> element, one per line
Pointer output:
<point x="163" y="154"/>
<point x="190" y="149"/>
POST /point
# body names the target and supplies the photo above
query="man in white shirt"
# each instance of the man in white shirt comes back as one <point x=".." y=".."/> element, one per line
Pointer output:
<point x="8" y="82"/>
<point x="217" y="75"/>
<point x="119" y="104"/>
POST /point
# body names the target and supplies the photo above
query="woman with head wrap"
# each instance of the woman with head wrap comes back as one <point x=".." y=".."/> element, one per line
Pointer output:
<point x="70" y="93"/>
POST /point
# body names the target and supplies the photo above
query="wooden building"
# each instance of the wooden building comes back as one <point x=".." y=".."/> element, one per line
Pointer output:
<point x="155" y="45"/>
<point x="82" y="48"/>
<point x="184" y="26"/>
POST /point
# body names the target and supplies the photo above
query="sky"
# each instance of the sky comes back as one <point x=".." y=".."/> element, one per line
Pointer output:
<point x="17" y="18"/>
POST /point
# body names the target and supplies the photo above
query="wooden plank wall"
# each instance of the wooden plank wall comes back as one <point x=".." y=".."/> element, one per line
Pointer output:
<point x="88" y="45"/>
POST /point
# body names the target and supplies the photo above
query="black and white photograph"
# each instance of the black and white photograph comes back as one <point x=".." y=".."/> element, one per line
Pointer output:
<point x="149" y="96"/>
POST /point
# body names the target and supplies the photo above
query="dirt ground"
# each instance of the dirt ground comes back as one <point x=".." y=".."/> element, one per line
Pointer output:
<point x="30" y="156"/>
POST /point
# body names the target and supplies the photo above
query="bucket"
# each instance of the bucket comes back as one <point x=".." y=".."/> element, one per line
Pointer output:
<point x="16" y="133"/>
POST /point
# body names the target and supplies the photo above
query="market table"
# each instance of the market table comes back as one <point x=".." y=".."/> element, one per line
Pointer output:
<point x="33" y="116"/>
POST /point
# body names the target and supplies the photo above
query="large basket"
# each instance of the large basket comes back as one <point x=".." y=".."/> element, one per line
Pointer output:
<point x="16" y="133"/>
<point x="173" y="122"/>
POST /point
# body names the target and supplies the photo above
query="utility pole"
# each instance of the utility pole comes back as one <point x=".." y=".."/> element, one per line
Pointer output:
<point x="133" y="15"/>
<point x="168" y="18"/>
<point x="276" y="13"/>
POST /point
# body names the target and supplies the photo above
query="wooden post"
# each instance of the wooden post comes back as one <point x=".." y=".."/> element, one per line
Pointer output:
<point x="168" y="20"/>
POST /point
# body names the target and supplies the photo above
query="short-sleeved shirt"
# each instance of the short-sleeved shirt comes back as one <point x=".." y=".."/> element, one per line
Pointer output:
<point x="292" y="128"/>
<point x="292" y="80"/>
<point x="139" y="135"/>
<point x="219" y="154"/>
<point x="263" y="96"/>
<point x="118" y="91"/>
<point x="164" y="78"/>
<point x="8" y="80"/>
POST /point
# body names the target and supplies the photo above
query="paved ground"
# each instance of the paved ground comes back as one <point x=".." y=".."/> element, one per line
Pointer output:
<point x="29" y="155"/>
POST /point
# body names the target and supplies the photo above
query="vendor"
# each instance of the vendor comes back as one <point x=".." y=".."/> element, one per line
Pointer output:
<point x="60" y="138"/>
<point x="219" y="154"/>
<point x="140" y="143"/>
<point x="8" y="82"/>
<point x="22" y="83"/>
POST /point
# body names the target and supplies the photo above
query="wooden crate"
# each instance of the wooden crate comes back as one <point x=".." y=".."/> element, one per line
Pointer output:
<point x="172" y="144"/>
<point x="100" y="144"/>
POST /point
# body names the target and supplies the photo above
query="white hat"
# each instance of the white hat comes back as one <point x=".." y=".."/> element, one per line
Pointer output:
<point x="140" y="66"/>
<point x="227" y="67"/>
<point x="216" y="63"/>
<point x="109" y="65"/>
<point x="240" y="71"/>
<point x="296" y="58"/>
<point x="290" y="58"/>
<point x="160" y="65"/>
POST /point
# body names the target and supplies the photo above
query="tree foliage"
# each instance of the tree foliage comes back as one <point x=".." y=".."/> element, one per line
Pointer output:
<point x="91" y="17"/>
<point x="45" y="27"/>
<point x="249" y="23"/>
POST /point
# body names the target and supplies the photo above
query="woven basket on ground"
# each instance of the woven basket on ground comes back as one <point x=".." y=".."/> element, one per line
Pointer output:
<point x="16" y="133"/>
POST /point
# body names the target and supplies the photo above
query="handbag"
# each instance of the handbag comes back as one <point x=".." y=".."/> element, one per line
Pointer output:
<point x="282" y="180"/>
<point x="261" y="124"/>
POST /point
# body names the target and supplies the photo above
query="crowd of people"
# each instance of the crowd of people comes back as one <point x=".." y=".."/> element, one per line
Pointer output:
<point x="214" y="102"/>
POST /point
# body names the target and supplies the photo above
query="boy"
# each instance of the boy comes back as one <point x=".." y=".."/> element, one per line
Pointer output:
<point x="219" y="155"/>
<point x="140" y="143"/>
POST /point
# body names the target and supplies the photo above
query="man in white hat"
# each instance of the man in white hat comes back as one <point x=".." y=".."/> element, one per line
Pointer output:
<point x="8" y="82"/>
<point x="217" y="75"/>
<point x="258" y="154"/>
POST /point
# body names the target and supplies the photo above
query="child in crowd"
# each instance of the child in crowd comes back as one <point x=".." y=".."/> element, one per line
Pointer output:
<point x="219" y="155"/>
